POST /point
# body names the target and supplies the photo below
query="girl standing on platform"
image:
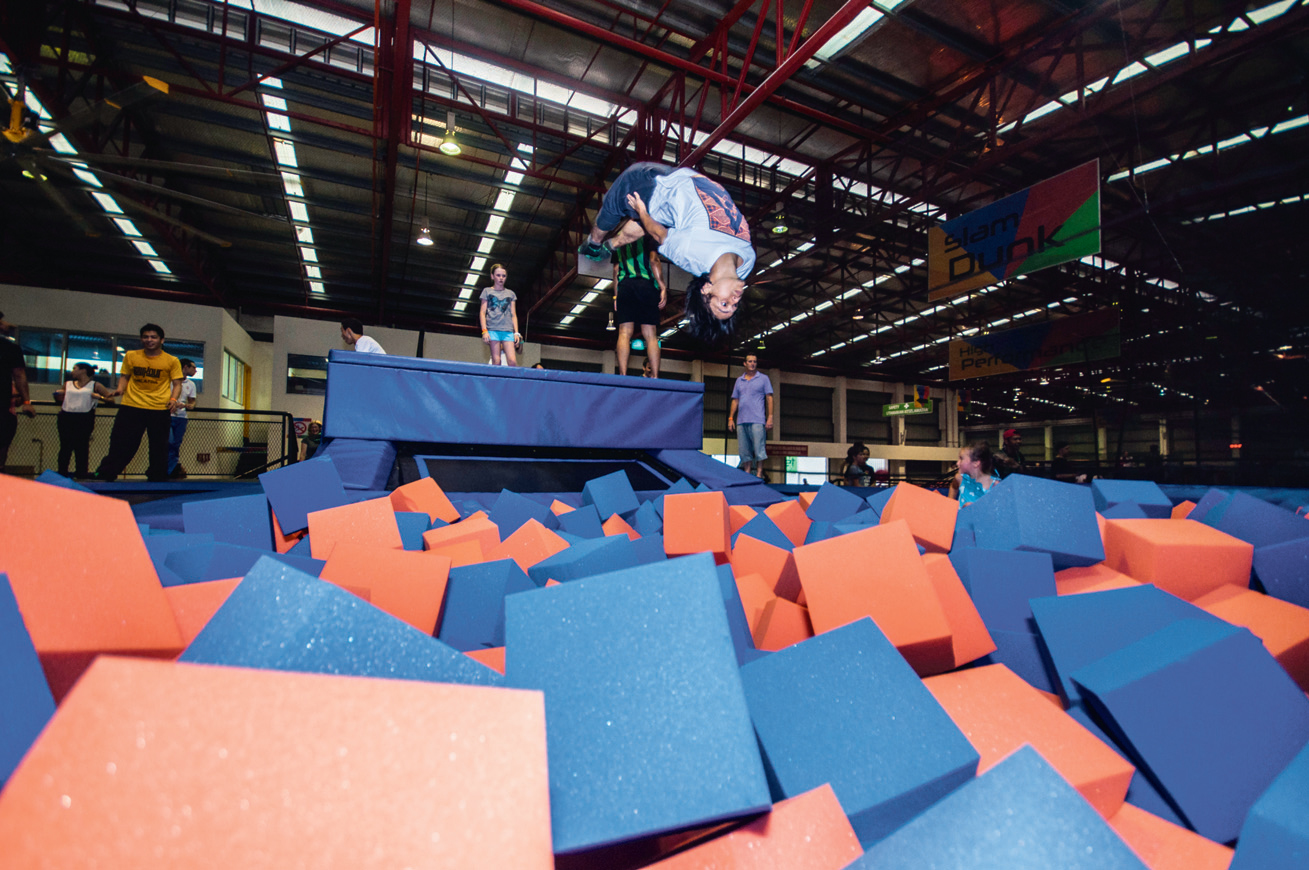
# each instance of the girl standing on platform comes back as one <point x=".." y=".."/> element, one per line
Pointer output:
<point x="77" y="417"/>
<point x="499" y="316"/>
<point x="973" y="479"/>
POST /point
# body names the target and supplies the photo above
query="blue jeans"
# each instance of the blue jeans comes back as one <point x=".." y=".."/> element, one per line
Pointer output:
<point x="175" y="440"/>
<point x="750" y="442"/>
<point x="637" y="178"/>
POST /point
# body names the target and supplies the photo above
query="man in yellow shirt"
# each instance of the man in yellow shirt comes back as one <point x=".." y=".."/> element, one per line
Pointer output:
<point x="149" y="382"/>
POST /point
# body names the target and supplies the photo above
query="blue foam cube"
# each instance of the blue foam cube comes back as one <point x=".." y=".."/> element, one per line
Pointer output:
<point x="611" y="494"/>
<point x="648" y="549"/>
<point x="1256" y="521"/>
<point x="845" y="708"/>
<point x="219" y="561"/>
<point x="762" y="528"/>
<point x="282" y="619"/>
<point x="412" y="524"/>
<point x="241" y="519"/>
<point x="821" y="531"/>
<point x="1207" y="710"/>
<point x="647" y="727"/>
<point x="584" y="522"/>
<point x="1141" y="792"/>
<point x="647" y="520"/>
<point x="1125" y="510"/>
<point x="1019" y="815"/>
<point x="473" y="614"/>
<point x="1275" y="835"/>
<point x="512" y="510"/>
<point x="54" y="478"/>
<point x="737" y="624"/>
<point x="877" y="501"/>
<point x="835" y="503"/>
<point x="363" y="465"/>
<point x="1040" y="516"/>
<point x="161" y="546"/>
<point x="1213" y="499"/>
<point x="1145" y="494"/>
<point x="585" y="558"/>
<point x="682" y="486"/>
<point x="297" y="490"/>
<point x="1002" y="583"/>
<point x="25" y="695"/>
<point x="1283" y="570"/>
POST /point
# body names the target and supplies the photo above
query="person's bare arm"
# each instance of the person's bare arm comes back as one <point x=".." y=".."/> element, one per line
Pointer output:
<point x="657" y="269"/>
<point x="481" y="315"/>
<point x="731" y="416"/>
<point x="177" y="391"/>
<point x="513" y="313"/>
<point x="657" y="231"/>
<point x="768" y="412"/>
<point x="19" y="376"/>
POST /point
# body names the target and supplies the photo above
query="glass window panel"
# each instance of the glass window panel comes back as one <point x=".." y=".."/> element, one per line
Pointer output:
<point x="43" y="351"/>
<point x="195" y="352"/>
<point x="97" y="350"/>
<point x="306" y="375"/>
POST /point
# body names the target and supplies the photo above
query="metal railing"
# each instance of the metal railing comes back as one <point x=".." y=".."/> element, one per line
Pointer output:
<point x="219" y="444"/>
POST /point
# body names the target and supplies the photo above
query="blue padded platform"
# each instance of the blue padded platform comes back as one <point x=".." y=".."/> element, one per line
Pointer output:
<point x="845" y="708"/>
<point x="395" y="398"/>
<point x="1275" y="835"/>
<point x="25" y="695"/>
<point x="1019" y="815"/>
<point x="647" y="727"/>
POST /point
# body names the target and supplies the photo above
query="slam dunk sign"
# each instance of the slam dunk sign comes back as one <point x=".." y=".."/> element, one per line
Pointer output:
<point x="1066" y="341"/>
<point x="1049" y="223"/>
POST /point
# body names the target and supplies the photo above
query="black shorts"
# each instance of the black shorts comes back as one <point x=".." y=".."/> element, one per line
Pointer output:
<point x="638" y="301"/>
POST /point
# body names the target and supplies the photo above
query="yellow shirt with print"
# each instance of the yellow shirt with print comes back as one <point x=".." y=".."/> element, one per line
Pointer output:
<point x="150" y="379"/>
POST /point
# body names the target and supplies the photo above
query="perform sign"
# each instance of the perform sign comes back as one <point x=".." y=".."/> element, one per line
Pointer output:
<point x="1049" y="223"/>
<point x="1070" y="340"/>
<point x="908" y="409"/>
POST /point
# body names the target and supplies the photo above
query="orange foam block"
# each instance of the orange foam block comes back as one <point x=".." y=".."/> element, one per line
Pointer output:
<point x="806" y="498"/>
<point x="969" y="637"/>
<point x="738" y="515"/>
<point x="474" y="528"/>
<point x="775" y="565"/>
<point x="789" y="516"/>
<point x="558" y="508"/>
<point x="159" y="764"/>
<point x="78" y="596"/>
<point x="1183" y="557"/>
<point x="781" y="624"/>
<point x="424" y="496"/>
<point x="1282" y="626"/>
<point x="809" y="830"/>
<point x="877" y="572"/>
<point x="1165" y="846"/>
<point x="755" y="592"/>
<point x="493" y="657"/>
<point x="998" y="711"/>
<point x="371" y="522"/>
<point x="930" y="515"/>
<point x="461" y="553"/>
<point x="1180" y="511"/>
<point x="616" y="525"/>
<point x="696" y="522"/>
<point x="406" y="584"/>
<point x="1093" y="578"/>
<point x="283" y="542"/>
<point x="194" y="604"/>
<point x="530" y="543"/>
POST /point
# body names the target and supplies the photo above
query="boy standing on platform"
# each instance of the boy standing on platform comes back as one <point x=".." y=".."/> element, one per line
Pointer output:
<point x="150" y="383"/>
<point x="185" y="402"/>
<point x="640" y="294"/>
<point x="352" y="333"/>
<point x="753" y="396"/>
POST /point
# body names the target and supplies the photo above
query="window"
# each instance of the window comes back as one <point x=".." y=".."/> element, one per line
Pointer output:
<point x="195" y="352"/>
<point x="235" y="375"/>
<point x="807" y="413"/>
<point x="96" y="350"/>
<point x="51" y="354"/>
<point x="43" y="351"/>
<point x="306" y="375"/>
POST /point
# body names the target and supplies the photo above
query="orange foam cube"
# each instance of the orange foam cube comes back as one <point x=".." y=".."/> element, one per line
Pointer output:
<point x="775" y="565"/>
<point x="558" y="508"/>
<point x="969" y="637"/>
<point x="1282" y="626"/>
<point x="755" y="592"/>
<point x="1093" y="578"/>
<point x="371" y="521"/>
<point x="1180" y="511"/>
<point x="474" y="528"/>
<point x="283" y="542"/>
<point x="877" y="572"/>
<point x="806" y="498"/>
<point x="998" y="711"/>
<point x="809" y="830"/>
<point x="161" y="764"/>
<point x="80" y="598"/>
<point x="738" y="515"/>
<point x="781" y="624"/>
<point x="408" y="585"/>
<point x="1183" y="557"/>
<point x="424" y="496"/>
<point x="194" y="604"/>
<point x="930" y="515"/>
<point x="461" y="553"/>
<point x="493" y="657"/>
<point x="1165" y="846"/>
<point x="790" y="517"/>
<point x="696" y="522"/>
<point x="530" y="543"/>
<point x="616" y="525"/>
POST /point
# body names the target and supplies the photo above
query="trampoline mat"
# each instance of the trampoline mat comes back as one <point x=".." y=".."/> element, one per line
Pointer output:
<point x="533" y="474"/>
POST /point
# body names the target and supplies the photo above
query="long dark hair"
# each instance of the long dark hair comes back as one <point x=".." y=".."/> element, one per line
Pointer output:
<point x="981" y="451"/>
<point x="700" y="321"/>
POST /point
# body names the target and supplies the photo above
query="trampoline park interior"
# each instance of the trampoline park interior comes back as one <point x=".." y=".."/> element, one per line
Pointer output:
<point x="512" y="617"/>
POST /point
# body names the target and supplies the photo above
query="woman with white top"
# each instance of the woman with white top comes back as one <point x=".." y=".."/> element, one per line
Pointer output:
<point x="77" y="417"/>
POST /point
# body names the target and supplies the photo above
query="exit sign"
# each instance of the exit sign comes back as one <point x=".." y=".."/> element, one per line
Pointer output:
<point x="908" y="409"/>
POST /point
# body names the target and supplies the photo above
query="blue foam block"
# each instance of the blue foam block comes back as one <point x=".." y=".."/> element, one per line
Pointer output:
<point x="1041" y="516"/>
<point x="584" y="558"/>
<point x="682" y="486"/>
<point x="964" y="537"/>
<point x="647" y="520"/>
<point x="835" y="503"/>
<point x="1125" y="510"/>
<point x="1079" y="629"/>
<point x="25" y="695"/>
<point x="475" y="603"/>
<point x="584" y="522"/>
<point x="845" y="708"/>
<point x="1256" y="521"/>
<point x="512" y="510"/>
<point x="301" y="547"/>
<point x="282" y="619"/>
<point x="1209" y="712"/>
<point x="1024" y="654"/>
<point x="1212" y="499"/>
<point x="648" y="549"/>
<point x="161" y="546"/>
<point x="877" y="501"/>
<point x="1275" y="835"/>
<point x="742" y="642"/>
<point x="241" y="519"/>
<point x="762" y="528"/>
<point x="611" y="494"/>
<point x="647" y="727"/>
<point x="1142" y="793"/>
<point x="820" y="531"/>
<point x="297" y="490"/>
<point x="219" y="561"/>
<point x="1146" y="494"/>
<point x="861" y="520"/>
<point x="412" y="524"/>
<point x="1019" y="815"/>
<point x="1283" y="570"/>
<point x="1002" y="583"/>
<point x="54" y="478"/>
<point x="362" y="464"/>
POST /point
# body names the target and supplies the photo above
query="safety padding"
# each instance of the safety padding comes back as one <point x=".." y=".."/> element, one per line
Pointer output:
<point x="844" y="708"/>
<point x="81" y="596"/>
<point x="475" y="603"/>
<point x="297" y="489"/>
<point x="1275" y="835"/>
<point x="1145" y="494"/>
<point x="24" y="695"/>
<point x="1164" y="845"/>
<point x="647" y="723"/>
<point x="998" y="712"/>
<point x="808" y="830"/>
<point x="165" y="765"/>
<point x="1019" y="815"/>
<point x="877" y="572"/>
<point x="281" y="619"/>
<point x="393" y="398"/>
<point x="1041" y="516"/>
<point x="1186" y="558"/>
<point x="1204" y="708"/>
<point x="363" y="463"/>
<point x="930" y="515"/>
<point x="1283" y="627"/>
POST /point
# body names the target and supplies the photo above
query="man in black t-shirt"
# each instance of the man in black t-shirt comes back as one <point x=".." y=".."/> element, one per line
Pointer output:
<point x="14" y="369"/>
<point x="1010" y="460"/>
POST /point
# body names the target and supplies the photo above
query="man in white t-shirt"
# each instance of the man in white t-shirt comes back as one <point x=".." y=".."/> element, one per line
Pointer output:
<point x="352" y="332"/>
<point x="178" y="420"/>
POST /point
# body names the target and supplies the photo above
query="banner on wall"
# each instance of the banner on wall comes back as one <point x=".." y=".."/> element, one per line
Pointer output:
<point x="1052" y="222"/>
<point x="1078" y="339"/>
